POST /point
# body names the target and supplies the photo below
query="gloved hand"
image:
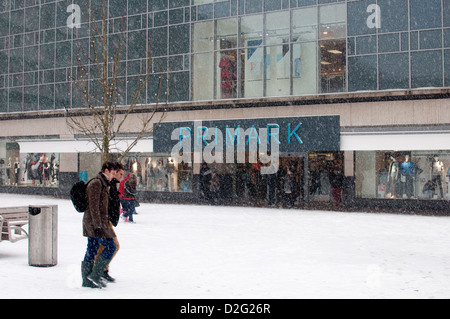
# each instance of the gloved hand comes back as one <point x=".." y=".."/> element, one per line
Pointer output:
<point x="98" y="232"/>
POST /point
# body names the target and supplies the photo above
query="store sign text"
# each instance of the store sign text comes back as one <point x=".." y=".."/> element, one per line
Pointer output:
<point x="247" y="140"/>
<point x="211" y="143"/>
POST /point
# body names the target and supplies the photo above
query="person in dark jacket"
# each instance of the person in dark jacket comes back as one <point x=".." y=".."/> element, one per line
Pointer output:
<point x="114" y="199"/>
<point x="288" y="188"/>
<point x="214" y="187"/>
<point x="205" y="178"/>
<point x="336" y="181"/>
<point x="129" y="198"/>
<point x="97" y="229"/>
<point x="113" y="214"/>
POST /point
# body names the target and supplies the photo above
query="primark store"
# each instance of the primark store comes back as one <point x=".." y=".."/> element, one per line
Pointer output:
<point x="253" y="90"/>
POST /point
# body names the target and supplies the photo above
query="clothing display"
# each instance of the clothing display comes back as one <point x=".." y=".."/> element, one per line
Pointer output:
<point x="407" y="171"/>
<point x="393" y="178"/>
<point x="228" y="77"/>
<point x="437" y="174"/>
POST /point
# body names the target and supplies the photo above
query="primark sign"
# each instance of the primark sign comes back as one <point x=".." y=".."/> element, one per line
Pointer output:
<point x="246" y="140"/>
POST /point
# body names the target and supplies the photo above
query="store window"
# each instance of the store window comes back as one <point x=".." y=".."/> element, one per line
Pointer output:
<point x="332" y="30"/>
<point x="202" y="61"/>
<point x="402" y="175"/>
<point x="321" y="165"/>
<point x="252" y="56"/>
<point x="304" y="68"/>
<point x="227" y="59"/>
<point x="29" y="169"/>
<point x="38" y="169"/>
<point x="304" y="51"/>
<point x="227" y="87"/>
<point x="278" y="56"/>
<point x="202" y="74"/>
<point x="159" y="173"/>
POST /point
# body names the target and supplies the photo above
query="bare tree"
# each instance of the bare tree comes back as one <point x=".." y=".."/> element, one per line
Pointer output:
<point x="98" y="76"/>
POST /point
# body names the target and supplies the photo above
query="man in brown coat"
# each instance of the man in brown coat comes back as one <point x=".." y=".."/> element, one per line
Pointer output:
<point x="97" y="229"/>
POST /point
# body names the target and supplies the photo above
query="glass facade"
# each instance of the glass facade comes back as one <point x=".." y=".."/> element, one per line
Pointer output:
<point x="403" y="175"/>
<point x="160" y="173"/>
<point x="207" y="50"/>
<point x="155" y="172"/>
<point x="27" y="169"/>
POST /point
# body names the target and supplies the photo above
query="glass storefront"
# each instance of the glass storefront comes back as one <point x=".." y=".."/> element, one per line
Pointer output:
<point x="403" y="175"/>
<point x="332" y="31"/>
<point x="27" y="169"/>
<point x="321" y="164"/>
<point x="304" y="51"/>
<point x="272" y="54"/>
<point x="154" y="172"/>
<point x="39" y="169"/>
<point x="159" y="173"/>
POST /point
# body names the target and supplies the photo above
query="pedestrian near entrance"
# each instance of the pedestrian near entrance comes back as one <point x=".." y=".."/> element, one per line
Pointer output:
<point x="205" y="178"/>
<point x="271" y="188"/>
<point x="336" y="181"/>
<point x="288" y="188"/>
<point x="97" y="229"/>
<point x="214" y="187"/>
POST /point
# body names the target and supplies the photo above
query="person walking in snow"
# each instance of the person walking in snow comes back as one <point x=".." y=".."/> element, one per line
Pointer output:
<point x="121" y="191"/>
<point x="97" y="229"/>
<point x="129" y="198"/>
<point x="113" y="215"/>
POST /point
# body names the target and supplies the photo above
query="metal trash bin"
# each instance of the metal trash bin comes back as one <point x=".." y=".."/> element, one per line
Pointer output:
<point x="42" y="235"/>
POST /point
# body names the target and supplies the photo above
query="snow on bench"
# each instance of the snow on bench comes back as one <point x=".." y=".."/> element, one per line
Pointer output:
<point x="12" y="220"/>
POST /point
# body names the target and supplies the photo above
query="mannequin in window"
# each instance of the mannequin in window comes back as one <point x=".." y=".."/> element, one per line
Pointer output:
<point x="46" y="169"/>
<point x="56" y="171"/>
<point x="437" y="174"/>
<point x="8" y="172"/>
<point x="393" y="175"/>
<point x="228" y="74"/>
<point x="408" y="171"/>
<point x="16" y="171"/>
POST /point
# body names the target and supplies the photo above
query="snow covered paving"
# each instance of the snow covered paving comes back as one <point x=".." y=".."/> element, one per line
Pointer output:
<point x="191" y="252"/>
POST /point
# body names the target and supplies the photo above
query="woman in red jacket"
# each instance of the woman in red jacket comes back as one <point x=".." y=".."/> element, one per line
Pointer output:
<point x="128" y="196"/>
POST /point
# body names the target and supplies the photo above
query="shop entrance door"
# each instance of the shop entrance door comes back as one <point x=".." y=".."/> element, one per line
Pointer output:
<point x="311" y="174"/>
<point x="320" y="166"/>
<point x="297" y="163"/>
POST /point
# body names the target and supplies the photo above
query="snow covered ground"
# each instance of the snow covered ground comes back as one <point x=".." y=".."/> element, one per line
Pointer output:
<point x="193" y="252"/>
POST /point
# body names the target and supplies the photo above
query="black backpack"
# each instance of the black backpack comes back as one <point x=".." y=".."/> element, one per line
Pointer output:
<point x="78" y="195"/>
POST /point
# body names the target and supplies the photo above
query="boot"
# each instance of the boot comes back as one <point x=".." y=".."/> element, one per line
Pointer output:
<point x="107" y="277"/>
<point x="97" y="271"/>
<point x="86" y="269"/>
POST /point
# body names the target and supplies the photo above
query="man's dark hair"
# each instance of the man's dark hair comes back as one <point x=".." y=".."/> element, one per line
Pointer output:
<point x="119" y="166"/>
<point x="108" y="166"/>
